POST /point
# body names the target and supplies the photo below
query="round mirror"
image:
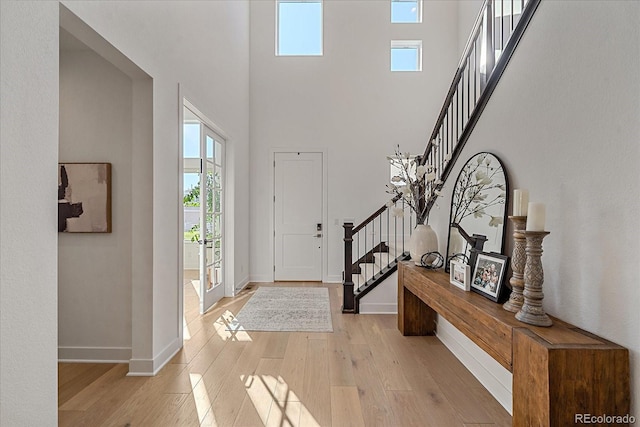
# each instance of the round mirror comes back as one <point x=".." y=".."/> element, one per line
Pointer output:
<point x="478" y="208"/>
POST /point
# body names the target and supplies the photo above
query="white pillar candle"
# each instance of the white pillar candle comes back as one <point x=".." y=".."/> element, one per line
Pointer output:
<point x="520" y="202"/>
<point x="536" y="217"/>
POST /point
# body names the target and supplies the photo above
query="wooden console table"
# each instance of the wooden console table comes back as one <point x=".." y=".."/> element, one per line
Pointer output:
<point x="558" y="371"/>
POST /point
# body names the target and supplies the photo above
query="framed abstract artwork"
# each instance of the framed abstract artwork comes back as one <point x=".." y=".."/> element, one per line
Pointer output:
<point x="84" y="197"/>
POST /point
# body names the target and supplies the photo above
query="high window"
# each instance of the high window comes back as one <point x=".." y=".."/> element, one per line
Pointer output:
<point x="398" y="166"/>
<point x="406" y="11"/>
<point x="299" y="28"/>
<point x="406" y="55"/>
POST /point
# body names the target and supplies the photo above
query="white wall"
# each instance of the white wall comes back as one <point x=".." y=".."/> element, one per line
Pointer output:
<point x="347" y="102"/>
<point x="28" y="216"/>
<point x="94" y="270"/>
<point x="383" y="299"/>
<point x="204" y="47"/>
<point x="565" y="120"/>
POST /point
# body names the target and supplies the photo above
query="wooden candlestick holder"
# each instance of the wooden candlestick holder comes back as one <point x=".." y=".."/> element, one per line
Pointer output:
<point x="518" y="259"/>
<point x="531" y="311"/>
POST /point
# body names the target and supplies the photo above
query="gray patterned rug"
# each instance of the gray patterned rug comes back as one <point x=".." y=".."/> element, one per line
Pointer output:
<point x="285" y="309"/>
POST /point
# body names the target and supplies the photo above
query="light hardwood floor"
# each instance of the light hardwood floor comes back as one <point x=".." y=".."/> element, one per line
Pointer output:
<point x="363" y="374"/>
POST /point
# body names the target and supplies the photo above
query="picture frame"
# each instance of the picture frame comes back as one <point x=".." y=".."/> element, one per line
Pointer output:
<point x="84" y="197"/>
<point x="460" y="275"/>
<point x="488" y="276"/>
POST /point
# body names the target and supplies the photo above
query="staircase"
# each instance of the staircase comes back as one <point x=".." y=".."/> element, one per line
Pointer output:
<point x="375" y="266"/>
<point x="373" y="248"/>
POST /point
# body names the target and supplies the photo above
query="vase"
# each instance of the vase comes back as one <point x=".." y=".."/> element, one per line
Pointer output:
<point x="423" y="240"/>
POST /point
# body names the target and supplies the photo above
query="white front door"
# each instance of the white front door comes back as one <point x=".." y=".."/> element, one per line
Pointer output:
<point x="211" y="218"/>
<point x="298" y="216"/>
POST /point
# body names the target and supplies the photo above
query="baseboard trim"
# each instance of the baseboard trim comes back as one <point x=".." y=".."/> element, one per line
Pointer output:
<point x="261" y="278"/>
<point x="241" y="285"/>
<point x="264" y="278"/>
<point x="150" y="367"/>
<point x="493" y="376"/>
<point x="140" y="368"/>
<point x="94" y="354"/>
<point x="378" y="308"/>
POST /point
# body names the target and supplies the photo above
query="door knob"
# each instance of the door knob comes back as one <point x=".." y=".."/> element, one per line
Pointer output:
<point x="317" y="235"/>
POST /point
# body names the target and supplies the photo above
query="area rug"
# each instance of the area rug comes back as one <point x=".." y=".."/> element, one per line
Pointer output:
<point x="285" y="309"/>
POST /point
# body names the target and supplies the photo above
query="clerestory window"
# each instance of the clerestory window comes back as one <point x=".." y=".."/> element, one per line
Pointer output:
<point x="406" y="55"/>
<point x="299" y="28"/>
<point x="406" y="11"/>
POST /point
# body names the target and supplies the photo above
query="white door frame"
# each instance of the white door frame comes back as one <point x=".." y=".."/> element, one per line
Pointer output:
<point x="325" y="198"/>
<point x="228" y="209"/>
<point x="229" y="275"/>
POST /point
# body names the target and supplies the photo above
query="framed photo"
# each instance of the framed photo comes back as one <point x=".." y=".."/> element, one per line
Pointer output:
<point x="84" y="197"/>
<point x="488" y="275"/>
<point x="460" y="275"/>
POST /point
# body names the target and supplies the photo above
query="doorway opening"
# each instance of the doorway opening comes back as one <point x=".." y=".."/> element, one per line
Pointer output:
<point x="203" y="210"/>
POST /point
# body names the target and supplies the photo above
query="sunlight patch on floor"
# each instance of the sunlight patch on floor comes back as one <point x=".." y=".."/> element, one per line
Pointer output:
<point x="202" y="401"/>
<point x="223" y="323"/>
<point x="275" y="403"/>
<point x="196" y="286"/>
<point x="186" y="334"/>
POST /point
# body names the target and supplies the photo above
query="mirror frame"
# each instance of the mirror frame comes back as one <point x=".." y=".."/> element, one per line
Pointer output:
<point x="471" y="232"/>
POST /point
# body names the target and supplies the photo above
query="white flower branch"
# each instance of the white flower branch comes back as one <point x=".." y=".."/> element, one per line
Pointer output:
<point x="474" y="187"/>
<point x="415" y="185"/>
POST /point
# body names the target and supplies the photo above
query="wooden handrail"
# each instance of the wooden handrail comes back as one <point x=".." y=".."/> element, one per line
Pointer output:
<point x="373" y="216"/>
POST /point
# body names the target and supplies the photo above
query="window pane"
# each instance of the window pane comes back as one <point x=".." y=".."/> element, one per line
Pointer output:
<point x="192" y="189"/>
<point x="218" y="153"/>
<point x="211" y="226"/>
<point x="299" y="28"/>
<point x="403" y="11"/>
<point x="217" y="201"/>
<point x="217" y="179"/>
<point x="217" y="273"/>
<point x="209" y="144"/>
<point x="217" y="250"/>
<point x="191" y="140"/>
<point x="217" y="226"/>
<point x="405" y="59"/>
<point x="398" y="170"/>
<point x="191" y="204"/>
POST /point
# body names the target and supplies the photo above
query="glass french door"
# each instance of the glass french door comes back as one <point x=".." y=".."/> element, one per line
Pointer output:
<point x="211" y="218"/>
